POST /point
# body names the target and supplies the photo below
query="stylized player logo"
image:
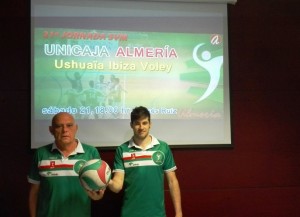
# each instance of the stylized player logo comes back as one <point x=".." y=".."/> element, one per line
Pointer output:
<point x="158" y="157"/>
<point x="212" y="65"/>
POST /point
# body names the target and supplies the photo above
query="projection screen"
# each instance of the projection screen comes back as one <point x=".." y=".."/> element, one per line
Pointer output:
<point x="99" y="59"/>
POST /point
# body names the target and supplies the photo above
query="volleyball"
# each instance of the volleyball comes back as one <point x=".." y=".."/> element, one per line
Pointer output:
<point x="95" y="175"/>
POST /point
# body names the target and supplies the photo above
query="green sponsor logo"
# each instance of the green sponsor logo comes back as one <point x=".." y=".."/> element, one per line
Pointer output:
<point x="158" y="157"/>
<point x="78" y="165"/>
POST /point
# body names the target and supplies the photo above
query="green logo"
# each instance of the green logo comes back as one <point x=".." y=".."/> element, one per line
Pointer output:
<point x="78" y="165"/>
<point x="158" y="157"/>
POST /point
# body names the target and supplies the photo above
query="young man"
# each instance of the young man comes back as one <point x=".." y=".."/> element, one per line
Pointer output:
<point x="55" y="189"/>
<point x="140" y="165"/>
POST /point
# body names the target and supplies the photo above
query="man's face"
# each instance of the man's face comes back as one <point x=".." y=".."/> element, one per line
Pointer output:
<point x="141" y="128"/>
<point x="64" y="129"/>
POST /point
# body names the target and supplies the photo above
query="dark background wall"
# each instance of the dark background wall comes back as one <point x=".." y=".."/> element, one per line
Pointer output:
<point x="258" y="177"/>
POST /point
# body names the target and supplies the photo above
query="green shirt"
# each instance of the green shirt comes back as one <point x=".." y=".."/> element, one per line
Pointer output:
<point x="144" y="177"/>
<point x="61" y="194"/>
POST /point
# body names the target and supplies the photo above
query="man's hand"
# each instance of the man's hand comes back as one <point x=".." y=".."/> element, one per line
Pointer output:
<point x="96" y="195"/>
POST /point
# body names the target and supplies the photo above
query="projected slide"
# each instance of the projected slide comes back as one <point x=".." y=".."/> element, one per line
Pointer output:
<point x="99" y="59"/>
<point x="103" y="74"/>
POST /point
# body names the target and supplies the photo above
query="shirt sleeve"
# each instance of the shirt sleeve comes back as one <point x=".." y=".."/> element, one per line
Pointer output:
<point x="118" y="161"/>
<point x="96" y="154"/>
<point x="169" y="164"/>
<point x="33" y="175"/>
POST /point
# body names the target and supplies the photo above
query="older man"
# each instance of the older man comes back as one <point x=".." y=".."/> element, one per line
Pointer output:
<point x="55" y="189"/>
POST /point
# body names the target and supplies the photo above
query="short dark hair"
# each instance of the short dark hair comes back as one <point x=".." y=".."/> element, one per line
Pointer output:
<point x="139" y="112"/>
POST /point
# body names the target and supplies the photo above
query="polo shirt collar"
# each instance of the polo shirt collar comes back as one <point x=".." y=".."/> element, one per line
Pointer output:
<point x="78" y="149"/>
<point x="154" y="142"/>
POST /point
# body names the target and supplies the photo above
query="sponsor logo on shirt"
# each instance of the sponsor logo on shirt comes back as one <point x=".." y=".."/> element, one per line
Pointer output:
<point x="78" y="165"/>
<point x="158" y="157"/>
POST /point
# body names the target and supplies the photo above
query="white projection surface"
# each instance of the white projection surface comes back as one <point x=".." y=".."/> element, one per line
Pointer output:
<point x="99" y="59"/>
